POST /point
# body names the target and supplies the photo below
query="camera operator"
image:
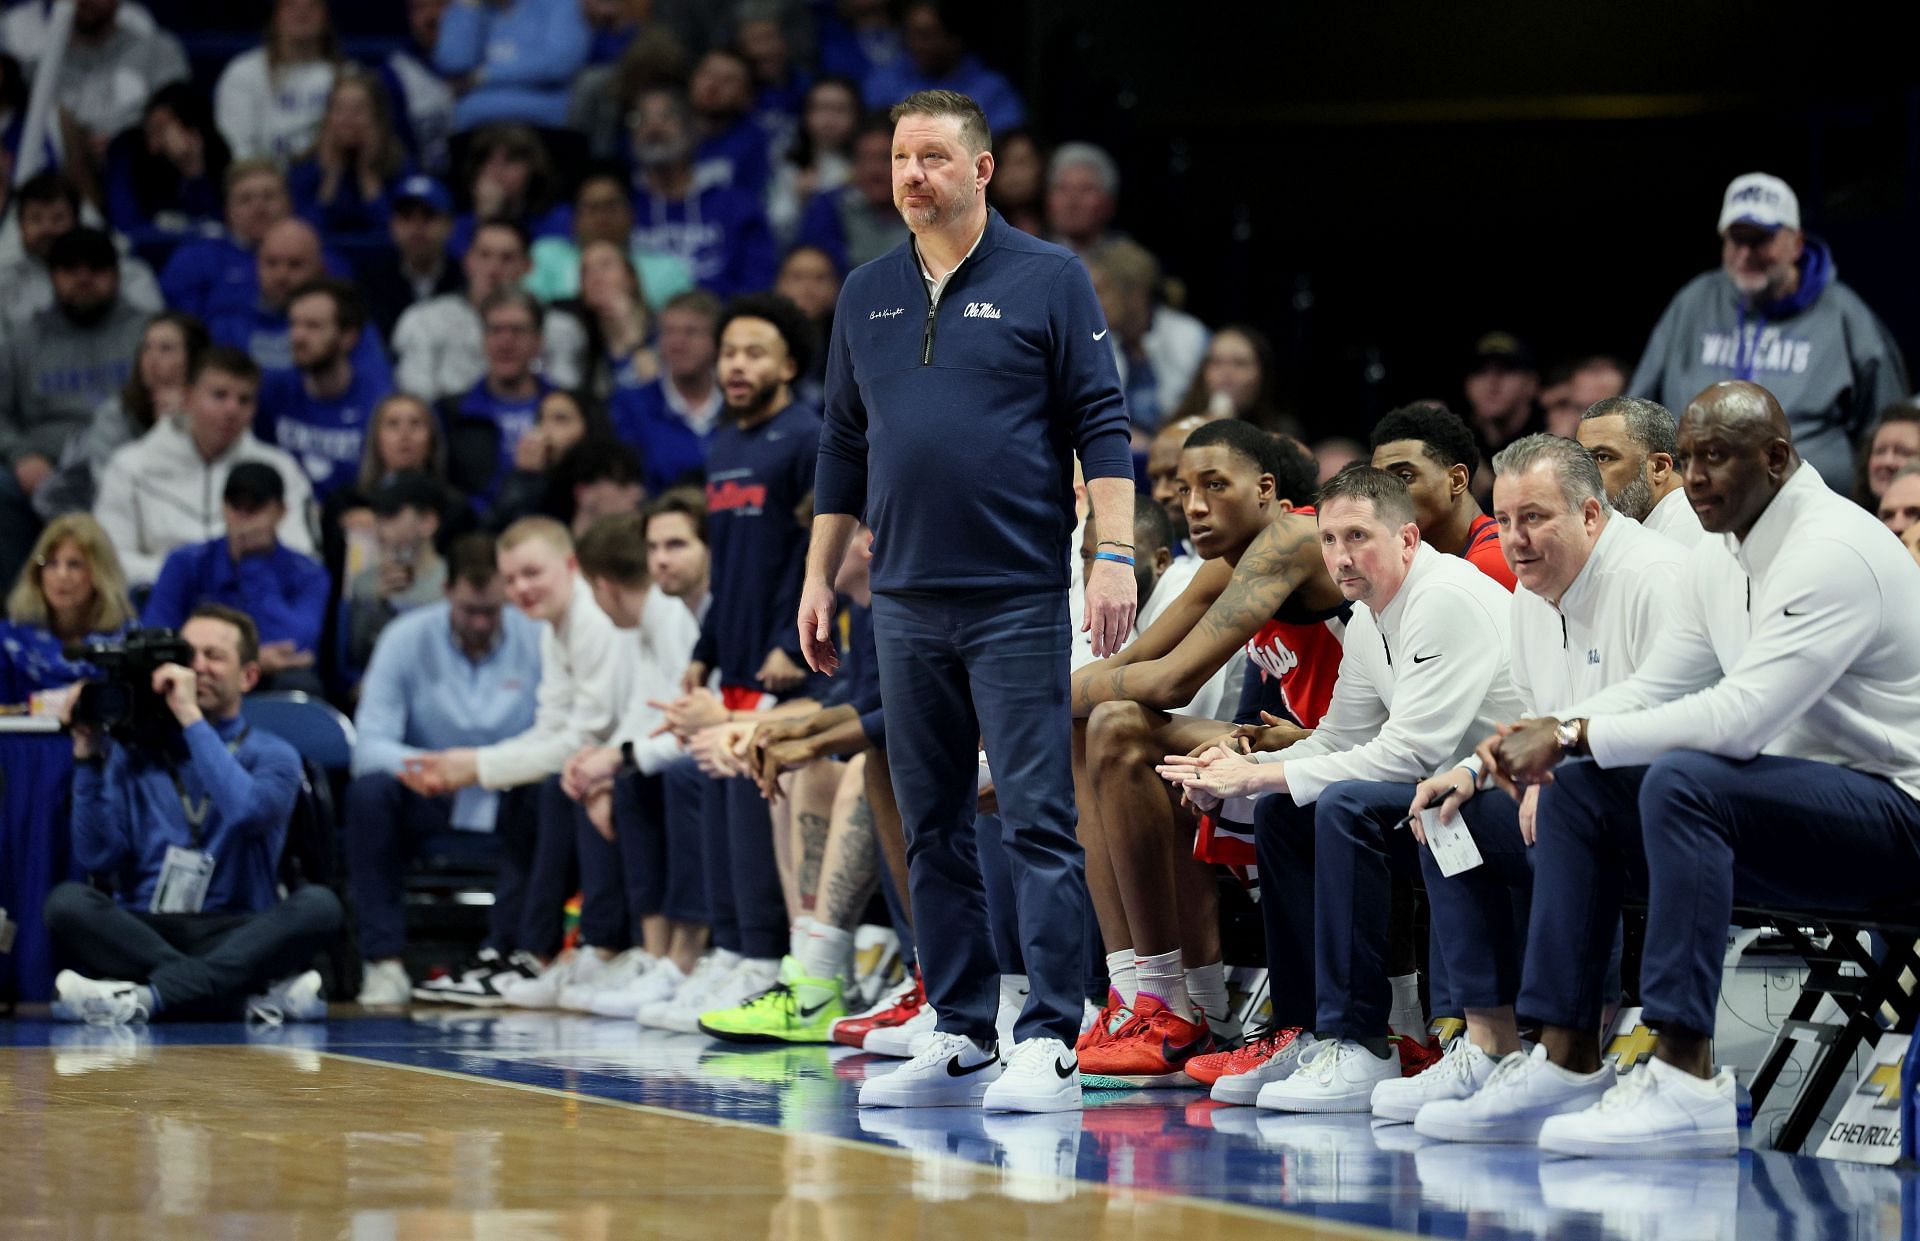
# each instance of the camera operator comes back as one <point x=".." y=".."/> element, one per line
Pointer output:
<point x="193" y="832"/>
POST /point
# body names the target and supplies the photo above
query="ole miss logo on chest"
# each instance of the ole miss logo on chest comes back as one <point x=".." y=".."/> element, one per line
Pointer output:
<point x="736" y="495"/>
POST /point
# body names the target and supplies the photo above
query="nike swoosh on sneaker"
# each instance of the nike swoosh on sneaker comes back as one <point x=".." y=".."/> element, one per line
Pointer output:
<point x="1171" y="1051"/>
<point x="1064" y="1070"/>
<point x="954" y="1069"/>
<point x="807" y="1014"/>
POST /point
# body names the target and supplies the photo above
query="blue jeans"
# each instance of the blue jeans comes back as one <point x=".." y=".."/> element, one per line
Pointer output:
<point x="957" y="669"/>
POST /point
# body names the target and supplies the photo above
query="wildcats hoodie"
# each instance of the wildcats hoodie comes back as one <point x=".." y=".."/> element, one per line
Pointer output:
<point x="1824" y="355"/>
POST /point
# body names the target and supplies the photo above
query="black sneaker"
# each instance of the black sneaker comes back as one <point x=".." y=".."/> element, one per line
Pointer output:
<point x="478" y="986"/>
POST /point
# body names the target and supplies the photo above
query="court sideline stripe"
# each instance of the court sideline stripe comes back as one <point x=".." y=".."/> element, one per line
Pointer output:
<point x="1336" y="1227"/>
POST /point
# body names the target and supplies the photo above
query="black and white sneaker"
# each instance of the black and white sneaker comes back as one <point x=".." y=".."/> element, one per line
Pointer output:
<point x="480" y="985"/>
<point x="947" y="1070"/>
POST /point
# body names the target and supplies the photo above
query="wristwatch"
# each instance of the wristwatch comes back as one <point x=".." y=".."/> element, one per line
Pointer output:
<point x="1572" y="736"/>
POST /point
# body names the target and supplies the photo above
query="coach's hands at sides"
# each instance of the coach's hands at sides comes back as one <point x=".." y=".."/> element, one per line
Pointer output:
<point x="1112" y="599"/>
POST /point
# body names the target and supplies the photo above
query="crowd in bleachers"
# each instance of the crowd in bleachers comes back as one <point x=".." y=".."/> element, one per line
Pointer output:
<point x="472" y="379"/>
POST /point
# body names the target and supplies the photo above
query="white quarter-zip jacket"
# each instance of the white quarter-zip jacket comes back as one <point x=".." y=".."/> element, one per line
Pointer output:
<point x="1608" y="621"/>
<point x="1675" y="518"/>
<point x="1421" y="683"/>
<point x="1797" y="642"/>
<point x="585" y="671"/>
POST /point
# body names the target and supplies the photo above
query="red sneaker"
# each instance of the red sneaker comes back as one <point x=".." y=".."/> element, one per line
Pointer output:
<point x="1416" y="1056"/>
<point x="1115" y="1015"/>
<point x="892" y="1010"/>
<point x="1255" y="1052"/>
<point x="1152" y="1049"/>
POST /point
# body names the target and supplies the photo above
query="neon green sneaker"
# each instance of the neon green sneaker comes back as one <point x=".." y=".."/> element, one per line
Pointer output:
<point x="795" y="1009"/>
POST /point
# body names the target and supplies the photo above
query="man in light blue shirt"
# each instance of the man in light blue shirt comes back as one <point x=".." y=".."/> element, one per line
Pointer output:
<point x="455" y="674"/>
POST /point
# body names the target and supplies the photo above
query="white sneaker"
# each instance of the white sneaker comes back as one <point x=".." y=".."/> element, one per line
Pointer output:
<point x="384" y="984"/>
<point x="1457" y="1074"/>
<point x="1013" y="1001"/>
<point x="948" y="1070"/>
<point x="291" y="999"/>
<point x="1043" y="1075"/>
<point x="707" y="972"/>
<point x="1656" y="1111"/>
<point x="745" y="980"/>
<point x="899" y="1040"/>
<point x="1339" y="1076"/>
<point x="1243" y="1089"/>
<point x="627" y="999"/>
<point x="582" y="964"/>
<point x="1521" y="1094"/>
<point x="100" y="1002"/>
<point x="578" y="996"/>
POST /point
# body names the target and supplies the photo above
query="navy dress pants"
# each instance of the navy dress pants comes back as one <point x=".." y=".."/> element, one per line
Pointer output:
<point x="1697" y="832"/>
<point x="1479" y="916"/>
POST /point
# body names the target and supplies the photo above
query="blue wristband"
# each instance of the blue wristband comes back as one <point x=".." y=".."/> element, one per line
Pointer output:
<point x="1116" y="557"/>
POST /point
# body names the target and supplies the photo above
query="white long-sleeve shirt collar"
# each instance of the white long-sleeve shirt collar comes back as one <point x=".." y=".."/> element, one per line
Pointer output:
<point x="1675" y="518"/>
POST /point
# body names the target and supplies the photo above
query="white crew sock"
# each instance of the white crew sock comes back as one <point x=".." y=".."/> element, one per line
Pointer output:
<point x="1207" y="988"/>
<point x="1162" y="977"/>
<point x="797" y="935"/>
<point x="828" y="952"/>
<point x="1407" y="1017"/>
<point x="1121" y="975"/>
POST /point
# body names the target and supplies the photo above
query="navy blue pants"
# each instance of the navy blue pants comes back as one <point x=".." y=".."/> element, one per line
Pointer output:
<point x="683" y="804"/>
<point x="1699" y="831"/>
<point x="1479" y="916"/>
<point x="956" y="669"/>
<point x="554" y="872"/>
<point x="387" y="823"/>
<point x="744" y="899"/>
<point x="1283" y="840"/>
<point x="621" y="880"/>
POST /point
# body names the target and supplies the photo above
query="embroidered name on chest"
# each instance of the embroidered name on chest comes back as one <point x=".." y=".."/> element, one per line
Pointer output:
<point x="981" y="310"/>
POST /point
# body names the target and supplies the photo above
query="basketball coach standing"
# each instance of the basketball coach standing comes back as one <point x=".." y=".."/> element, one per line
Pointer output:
<point x="967" y="368"/>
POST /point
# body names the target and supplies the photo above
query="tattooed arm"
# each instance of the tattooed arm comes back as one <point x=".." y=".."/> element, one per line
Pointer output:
<point x="1281" y="558"/>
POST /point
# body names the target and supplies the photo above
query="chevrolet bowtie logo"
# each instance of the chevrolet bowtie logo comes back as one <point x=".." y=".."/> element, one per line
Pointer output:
<point x="1884" y="1083"/>
<point x="1632" y="1047"/>
<point x="1446" y="1029"/>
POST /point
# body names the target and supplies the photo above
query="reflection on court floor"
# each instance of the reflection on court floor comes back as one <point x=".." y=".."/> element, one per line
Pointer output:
<point x="532" y="1125"/>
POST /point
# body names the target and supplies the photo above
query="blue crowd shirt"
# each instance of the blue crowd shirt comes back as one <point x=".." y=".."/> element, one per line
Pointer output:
<point x="326" y="435"/>
<point x="284" y="592"/>
<point x="670" y="449"/>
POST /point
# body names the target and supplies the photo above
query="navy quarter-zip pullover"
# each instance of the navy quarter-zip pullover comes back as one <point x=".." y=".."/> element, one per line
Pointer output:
<point x="951" y="426"/>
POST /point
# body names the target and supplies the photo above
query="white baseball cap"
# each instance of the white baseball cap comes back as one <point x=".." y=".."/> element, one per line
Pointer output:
<point x="1760" y="199"/>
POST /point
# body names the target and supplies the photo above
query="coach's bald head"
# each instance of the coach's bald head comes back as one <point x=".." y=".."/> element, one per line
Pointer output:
<point x="1735" y="454"/>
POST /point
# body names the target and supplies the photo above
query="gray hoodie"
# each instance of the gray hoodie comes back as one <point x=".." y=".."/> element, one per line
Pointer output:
<point x="1821" y="352"/>
<point x="54" y="374"/>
